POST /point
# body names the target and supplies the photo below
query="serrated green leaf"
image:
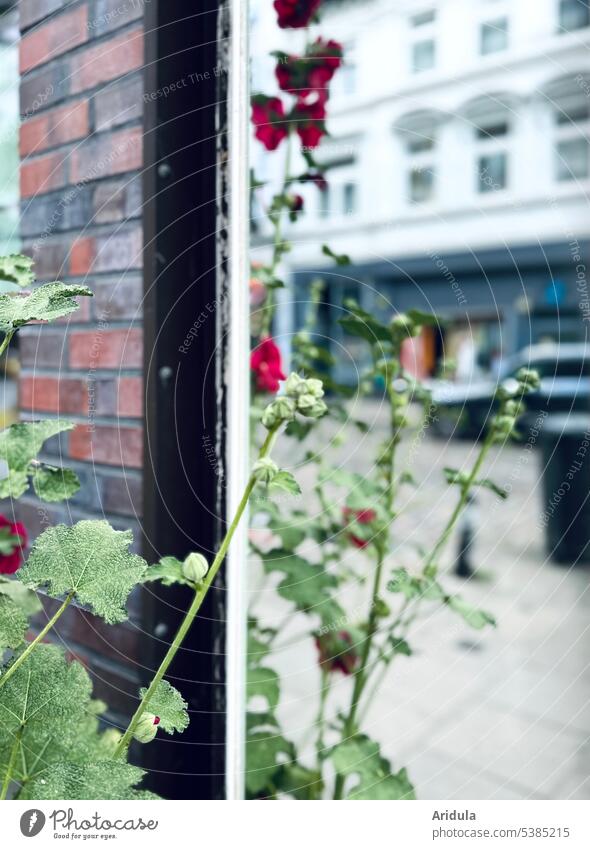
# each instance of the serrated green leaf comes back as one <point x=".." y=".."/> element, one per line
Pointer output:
<point x="20" y="443"/>
<point x="13" y="624"/>
<point x="475" y="618"/>
<point x="265" y="753"/>
<point x="89" y="559"/>
<point x="168" y="571"/>
<point x="48" y="302"/>
<point x="27" y="600"/>
<point x="54" y="484"/>
<point x="168" y="704"/>
<point x="264" y="682"/>
<point x="286" y="482"/>
<point x="14" y="485"/>
<point x="360" y="756"/>
<point x="17" y="269"/>
<point x="105" y="780"/>
<point x="307" y="585"/>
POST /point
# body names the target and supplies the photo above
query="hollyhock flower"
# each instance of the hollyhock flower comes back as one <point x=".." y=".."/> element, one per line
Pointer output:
<point x="268" y="116"/>
<point x="362" y="517"/>
<point x="337" y="652"/>
<point x="311" y="73"/>
<point x="296" y="202"/>
<point x="309" y="122"/>
<point x="295" y="13"/>
<point x="265" y="362"/>
<point x="257" y="292"/>
<point x="12" y="534"/>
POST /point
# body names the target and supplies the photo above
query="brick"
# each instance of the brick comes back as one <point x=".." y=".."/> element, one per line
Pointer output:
<point x="54" y="127"/>
<point x="104" y="396"/>
<point x="106" y="155"/>
<point x="99" y="348"/>
<point x="41" y="393"/>
<point x="59" y="35"/>
<point x="118" y="298"/>
<point x="101" y="63"/>
<point x="50" y="256"/>
<point x="112" y="14"/>
<point x="42" y="347"/>
<point x="107" y="253"/>
<point x="108" y="444"/>
<point x="43" y="88"/>
<point x="78" y="626"/>
<point x="118" y="104"/>
<point x="130" y="398"/>
<point x="42" y="174"/>
<point x="56" y="212"/>
<point x="115" y="201"/>
<point x="82" y="256"/>
<point x="122" y="494"/>
<point x="32" y="11"/>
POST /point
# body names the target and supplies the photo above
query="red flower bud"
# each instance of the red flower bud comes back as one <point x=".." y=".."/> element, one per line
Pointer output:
<point x="266" y="363"/>
<point x="362" y="517"/>
<point x="268" y="117"/>
<point x="337" y="652"/>
<point x="295" y="13"/>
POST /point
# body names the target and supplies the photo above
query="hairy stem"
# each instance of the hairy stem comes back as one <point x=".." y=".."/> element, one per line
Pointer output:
<point x="40" y="636"/>
<point x="198" y="600"/>
<point x="6" y="342"/>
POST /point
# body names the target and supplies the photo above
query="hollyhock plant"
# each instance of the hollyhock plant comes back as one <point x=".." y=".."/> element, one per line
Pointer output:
<point x="295" y="14"/>
<point x="266" y="363"/>
<point x="268" y="117"/>
<point x="309" y="121"/>
<point x="309" y="74"/>
<point x="13" y="539"/>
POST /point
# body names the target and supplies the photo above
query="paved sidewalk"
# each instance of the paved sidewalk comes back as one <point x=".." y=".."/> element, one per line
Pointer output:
<point x="498" y="714"/>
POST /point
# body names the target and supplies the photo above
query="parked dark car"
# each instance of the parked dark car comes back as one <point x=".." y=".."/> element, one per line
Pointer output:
<point x="463" y="409"/>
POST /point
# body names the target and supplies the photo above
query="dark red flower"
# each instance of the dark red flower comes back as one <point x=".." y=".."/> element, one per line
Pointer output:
<point x="296" y="203"/>
<point x="295" y="13"/>
<point x="265" y="362"/>
<point x="268" y="116"/>
<point x="362" y="517"/>
<point x="156" y="720"/>
<point x="309" y="122"/>
<point x="13" y="533"/>
<point x="337" y="652"/>
<point x="310" y="74"/>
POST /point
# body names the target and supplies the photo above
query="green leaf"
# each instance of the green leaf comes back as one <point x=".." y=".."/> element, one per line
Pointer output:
<point x="48" y="302"/>
<point x="9" y="541"/>
<point x="54" y="484"/>
<point x="14" y="485"/>
<point x="400" y="646"/>
<point x="360" y="756"/>
<point x="13" y="624"/>
<point x="18" y="269"/>
<point x="91" y="560"/>
<point x="305" y="584"/>
<point x="168" y="704"/>
<point x="298" y="781"/>
<point x="265" y="754"/>
<point x="428" y="319"/>
<point x="475" y="618"/>
<point x="27" y="600"/>
<point x="339" y="259"/>
<point x="20" y="443"/>
<point x="104" y="780"/>
<point x="264" y="682"/>
<point x="290" y="533"/>
<point x="286" y="482"/>
<point x="402" y="582"/>
<point x="497" y="490"/>
<point x="168" y="571"/>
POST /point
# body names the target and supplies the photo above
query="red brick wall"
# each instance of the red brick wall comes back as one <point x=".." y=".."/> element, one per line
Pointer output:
<point x="81" y="159"/>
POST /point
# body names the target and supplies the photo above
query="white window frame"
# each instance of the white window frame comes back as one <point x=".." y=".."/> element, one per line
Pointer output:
<point x="570" y="131"/>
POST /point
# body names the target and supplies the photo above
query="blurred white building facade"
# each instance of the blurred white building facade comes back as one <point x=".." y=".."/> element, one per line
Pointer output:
<point x="459" y="165"/>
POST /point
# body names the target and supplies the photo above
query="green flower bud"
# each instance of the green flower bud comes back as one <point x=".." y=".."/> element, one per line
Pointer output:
<point x="295" y="385"/>
<point x="315" y="387"/>
<point x="402" y="326"/>
<point x="195" y="567"/>
<point x="529" y="379"/>
<point x="278" y="411"/>
<point x="147" y="728"/>
<point x="313" y="411"/>
<point x="503" y="425"/>
<point x="265" y="469"/>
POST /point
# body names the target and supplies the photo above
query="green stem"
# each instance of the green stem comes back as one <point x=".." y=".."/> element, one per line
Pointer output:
<point x="324" y="690"/>
<point x="11" y="763"/>
<point x="40" y="636"/>
<point x="465" y="489"/>
<point x="6" y="341"/>
<point x="198" y="600"/>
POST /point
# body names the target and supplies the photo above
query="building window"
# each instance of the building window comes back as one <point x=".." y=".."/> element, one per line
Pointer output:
<point x="324" y="203"/>
<point x="493" y="36"/>
<point x="572" y="134"/>
<point x="492" y="138"/>
<point x="349" y="198"/>
<point x="423" y="43"/>
<point x="421" y="173"/>
<point x="573" y="14"/>
<point x="9" y="113"/>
